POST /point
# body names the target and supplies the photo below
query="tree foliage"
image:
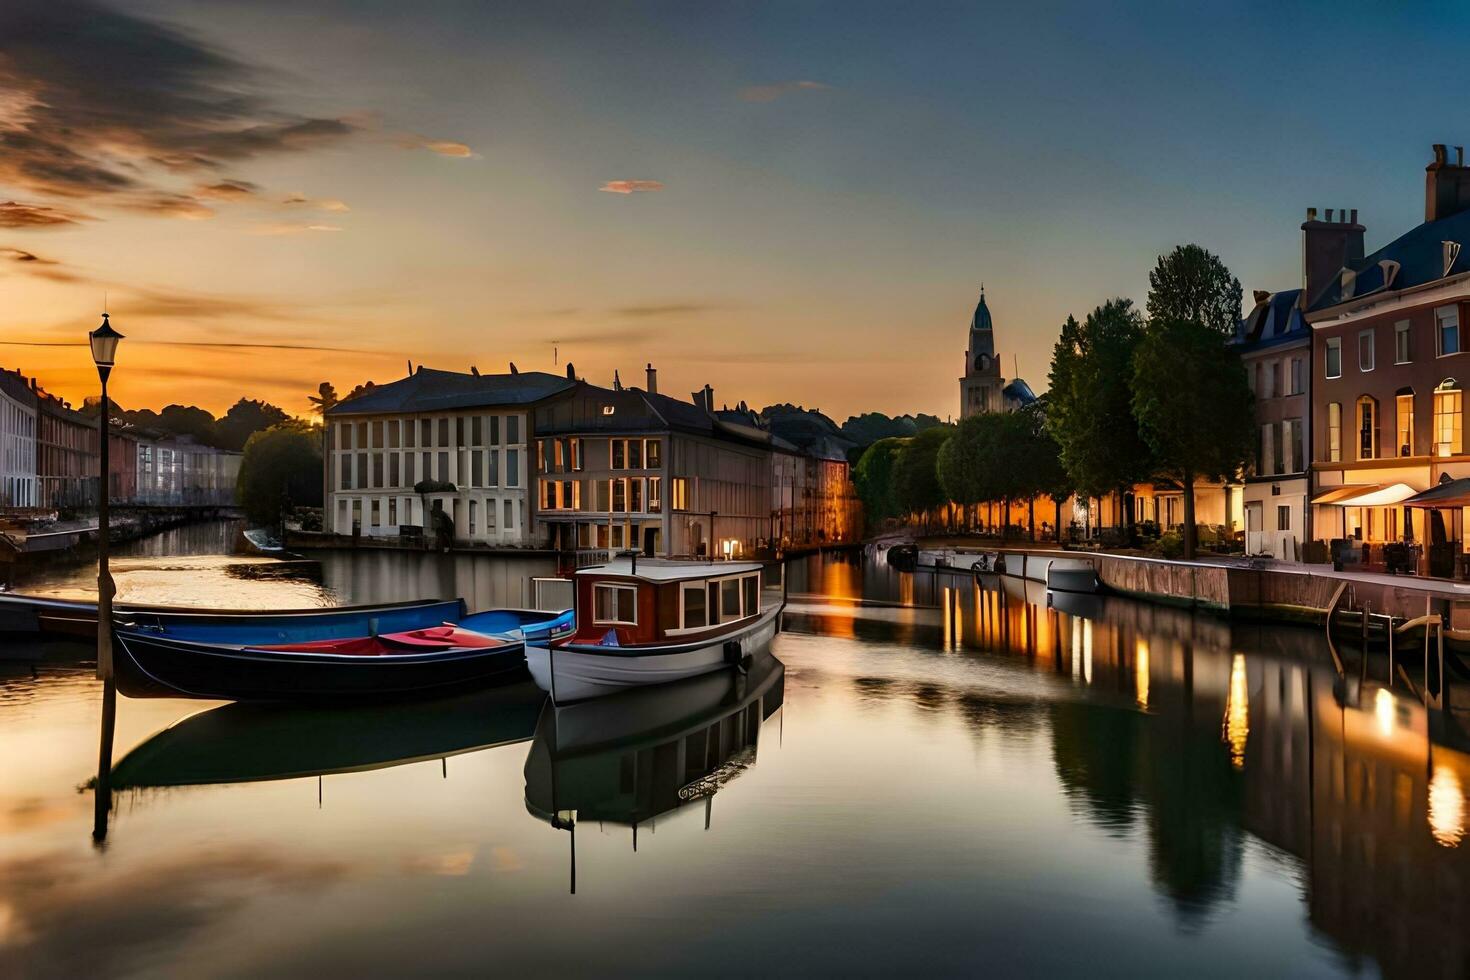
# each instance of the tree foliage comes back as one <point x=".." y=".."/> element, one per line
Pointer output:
<point x="1194" y="407"/>
<point x="325" y="398"/>
<point x="1089" y="410"/>
<point x="873" y="477"/>
<point x="245" y="418"/>
<point x="281" y="468"/>
<point x="1191" y="284"/>
<point x="915" y="476"/>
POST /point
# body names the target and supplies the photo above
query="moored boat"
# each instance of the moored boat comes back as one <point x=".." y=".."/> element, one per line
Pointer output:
<point x="1071" y="575"/>
<point x="417" y="663"/>
<point x="656" y="621"/>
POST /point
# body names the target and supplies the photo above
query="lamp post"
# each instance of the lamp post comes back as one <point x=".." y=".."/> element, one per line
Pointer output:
<point x="104" y="354"/>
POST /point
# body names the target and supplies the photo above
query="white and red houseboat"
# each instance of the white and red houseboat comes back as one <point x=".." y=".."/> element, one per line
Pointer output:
<point x="653" y="621"/>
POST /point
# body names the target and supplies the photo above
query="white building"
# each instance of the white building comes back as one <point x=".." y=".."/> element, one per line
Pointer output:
<point x="462" y="437"/>
<point x="17" y="441"/>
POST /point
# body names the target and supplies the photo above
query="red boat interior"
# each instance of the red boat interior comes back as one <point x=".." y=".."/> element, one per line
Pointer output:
<point x="428" y="640"/>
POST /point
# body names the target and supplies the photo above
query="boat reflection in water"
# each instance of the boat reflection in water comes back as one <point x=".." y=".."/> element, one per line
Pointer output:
<point x="241" y="743"/>
<point x="628" y="758"/>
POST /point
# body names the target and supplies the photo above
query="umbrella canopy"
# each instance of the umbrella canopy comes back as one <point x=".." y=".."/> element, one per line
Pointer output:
<point x="1340" y="495"/>
<point x="1394" y="493"/>
<point x="1452" y="493"/>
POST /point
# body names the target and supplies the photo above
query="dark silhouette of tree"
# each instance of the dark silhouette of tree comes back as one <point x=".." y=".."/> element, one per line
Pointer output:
<point x="873" y="477"/>
<point x="281" y="468"/>
<point x="1192" y="284"/>
<point x="188" y="420"/>
<point x="1194" y="407"/>
<point x="244" y="419"/>
<point x="1089" y="409"/>
<point x="915" y="476"/>
<point x="324" y="399"/>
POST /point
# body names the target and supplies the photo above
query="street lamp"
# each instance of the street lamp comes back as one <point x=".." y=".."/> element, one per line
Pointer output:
<point x="104" y="342"/>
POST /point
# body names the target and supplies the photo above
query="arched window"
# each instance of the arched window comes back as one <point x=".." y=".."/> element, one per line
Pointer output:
<point x="1448" y="418"/>
<point x="1404" y="421"/>
<point x="1367" y="427"/>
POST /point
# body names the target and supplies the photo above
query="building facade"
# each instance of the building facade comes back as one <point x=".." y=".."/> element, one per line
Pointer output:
<point x="67" y="456"/>
<point x="1389" y="370"/>
<point x="17" y="442"/>
<point x="621" y="468"/>
<point x="173" y="471"/>
<point x="437" y="441"/>
<point x="1275" y="346"/>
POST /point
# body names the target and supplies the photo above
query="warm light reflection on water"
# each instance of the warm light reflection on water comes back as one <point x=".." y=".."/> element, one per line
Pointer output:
<point x="943" y="785"/>
<point x="1236" y="727"/>
<point x="1446" y="807"/>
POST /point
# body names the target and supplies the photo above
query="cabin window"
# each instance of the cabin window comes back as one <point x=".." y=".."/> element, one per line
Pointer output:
<point x="714" y="603"/>
<point x="695" y="615"/>
<point x="730" y="599"/>
<point x="751" y="584"/>
<point x="615" y="604"/>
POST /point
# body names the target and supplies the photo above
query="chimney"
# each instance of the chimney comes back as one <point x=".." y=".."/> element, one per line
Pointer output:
<point x="571" y="371"/>
<point x="709" y="399"/>
<point x="1328" y="246"/>
<point x="1446" y="185"/>
<point x="652" y="386"/>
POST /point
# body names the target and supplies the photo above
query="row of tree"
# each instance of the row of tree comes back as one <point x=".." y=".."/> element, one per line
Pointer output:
<point x="230" y="431"/>
<point x="1134" y="396"/>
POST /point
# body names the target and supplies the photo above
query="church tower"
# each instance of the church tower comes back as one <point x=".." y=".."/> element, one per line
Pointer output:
<point x="981" y="386"/>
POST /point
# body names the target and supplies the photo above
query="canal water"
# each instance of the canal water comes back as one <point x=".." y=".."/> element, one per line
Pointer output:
<point x="949" y="777"/>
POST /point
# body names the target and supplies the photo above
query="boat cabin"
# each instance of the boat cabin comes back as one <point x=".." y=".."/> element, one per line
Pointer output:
<point x="657" y="601"/>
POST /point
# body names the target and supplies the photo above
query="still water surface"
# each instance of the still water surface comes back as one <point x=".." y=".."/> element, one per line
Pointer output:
<point x="947" y="779"/>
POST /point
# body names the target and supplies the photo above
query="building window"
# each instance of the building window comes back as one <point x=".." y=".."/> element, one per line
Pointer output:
<point x="1283" y="517"/>
<point x="1367" y="428"/>
<point x="653" y="453"/>
<point x="1365" y="350"/>
<point x="1402" y="353"/>
<point x="1258" y="382"/>
<point x="512" y="468"/>
<point x="1404" y="409"/>
<point x="1448" y="418"/>
<point x="635" y="454"/>
<point x="1297" y="380"/>
<point x="577" y="461"/>
<point x="620" y="496"/>
<point x="1273" y="382"/>
<point x="474" y="508"/>
<point x="619" y="450"/>
<point x="392" y="511"/>
<point x="655" y="501"/>
<point x="1334" y="432"/>
<point x="513" y="429"/>
<point x="1268" y="438"/>
<point x="615" y="605"/>
<point x="1333" y="349"/>
<point x="1447" y="330"/>
<point x="681" y="493"/>
<point x="1291" y="437"/>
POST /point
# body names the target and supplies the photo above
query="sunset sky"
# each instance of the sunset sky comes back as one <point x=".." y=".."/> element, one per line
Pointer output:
<point x="788" y="201"/>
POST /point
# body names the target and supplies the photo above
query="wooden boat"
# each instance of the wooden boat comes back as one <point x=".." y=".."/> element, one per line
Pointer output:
<point x="237" y="743"/>
<point x="653" y="622"/>
<point x="259" y="541"/>
<point x="416" y="663"/>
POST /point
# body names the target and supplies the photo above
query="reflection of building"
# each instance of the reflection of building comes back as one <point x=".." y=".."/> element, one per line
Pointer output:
<point x="982" y="388"/>
<point x="17" y="441"/>
<point x="1274" y="343"/>
<point x="173" y="471"/>
<point x="436" y="441"/>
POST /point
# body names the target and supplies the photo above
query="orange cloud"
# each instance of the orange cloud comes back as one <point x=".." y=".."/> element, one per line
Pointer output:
<point x="291" y="229"/>
<point x="445" y="148"/>
<point x="770" y="93"/>
<point x="15" y="214"/>
<point x="631" y="186"/>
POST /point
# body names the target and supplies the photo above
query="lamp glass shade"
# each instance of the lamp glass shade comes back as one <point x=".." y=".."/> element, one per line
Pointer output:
<point x="104" y="344"/>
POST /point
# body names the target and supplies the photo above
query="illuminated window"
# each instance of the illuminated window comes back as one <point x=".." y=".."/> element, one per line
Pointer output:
<point x="1448" y="418"/>
<point x="1334" y="432"/>
<point x="1404" y="410"/>
<point x="1367" y="428"/>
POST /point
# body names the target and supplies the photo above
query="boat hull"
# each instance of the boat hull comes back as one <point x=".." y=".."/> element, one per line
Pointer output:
<point x="158" y="666"/>
<point x="1069" y="575"/>
<point x="576" y="673"/>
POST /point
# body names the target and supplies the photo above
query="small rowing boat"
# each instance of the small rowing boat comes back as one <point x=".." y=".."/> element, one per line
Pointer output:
<point x="656" y="621"/>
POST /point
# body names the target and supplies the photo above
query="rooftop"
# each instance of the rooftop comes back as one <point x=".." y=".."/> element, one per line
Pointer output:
<point x="1424" y="254"/>
<point x="428" y="390"/>
<point x="667" y="570"/>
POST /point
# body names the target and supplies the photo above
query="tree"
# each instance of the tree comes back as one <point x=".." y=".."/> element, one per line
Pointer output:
<point x="968" y="458"/>
<point x="915" y="476"/>
<point x="1191" y="284"/>
<point x="325" y="398"/>
<point x="1041" y="461"/>
<point x="1089" y="410"/>
<point x="281" y="468"/>
<point x="244" y="419"/>
<point x="873" y="477"/>
<point x="188" y="420"/>
<point x="1193" y="406"/>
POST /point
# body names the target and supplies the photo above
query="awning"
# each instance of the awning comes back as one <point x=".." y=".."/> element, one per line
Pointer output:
<point x="1338" y="494"/>
<point x="1367" y="495"/>
<point x="1452" y="493"/>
